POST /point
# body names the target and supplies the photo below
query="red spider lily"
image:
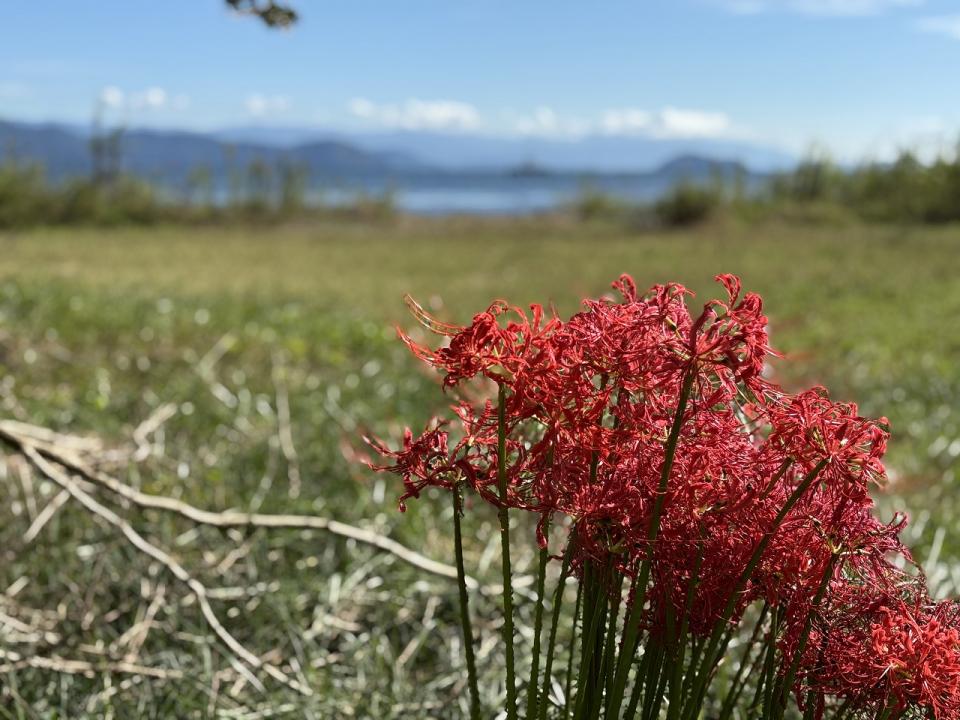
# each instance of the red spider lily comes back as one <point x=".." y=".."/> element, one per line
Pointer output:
<point x="810" y="428"/>
<point x="624" y="363"/>
<point x="892" y="652"/>
<point x="917" y="655"/>
<point x="677" y="465"/>
<point x="484" y="347"/>
<point x="733" y="335"/>
<point x="424" y="461"/>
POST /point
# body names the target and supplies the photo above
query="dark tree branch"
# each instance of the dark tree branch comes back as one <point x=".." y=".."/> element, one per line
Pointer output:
<point x="272" y="13"/>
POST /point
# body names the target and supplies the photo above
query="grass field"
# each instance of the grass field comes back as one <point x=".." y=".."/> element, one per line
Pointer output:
<point x="99" y="329"/>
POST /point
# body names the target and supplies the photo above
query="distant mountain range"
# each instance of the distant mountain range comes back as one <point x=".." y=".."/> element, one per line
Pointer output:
<point x="168" y="157"/>
<point x="422" y="172"/>
<point x="590" y="153"/>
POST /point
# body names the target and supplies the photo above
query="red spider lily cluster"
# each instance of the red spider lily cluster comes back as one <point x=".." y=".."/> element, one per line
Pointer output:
<point x="689" y="482"/>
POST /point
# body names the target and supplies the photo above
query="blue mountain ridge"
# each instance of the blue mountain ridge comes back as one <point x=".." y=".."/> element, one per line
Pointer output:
<point x="169" y="156"/>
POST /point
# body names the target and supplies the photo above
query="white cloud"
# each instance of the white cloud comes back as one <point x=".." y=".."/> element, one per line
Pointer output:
<point x="674" y="122"/>
<point x="835" y="8"/>
<point x="414" y="114"/>
<point x="112" y="97"/>
<point x="546" y="122"/>
<point x="669" y="122"/>
<point x="363" y="108"/>
<point x="261" y="105"/>
<point x="948" y="25"/>
<point x="627" y="121"/>
<point x="151" y="99"/>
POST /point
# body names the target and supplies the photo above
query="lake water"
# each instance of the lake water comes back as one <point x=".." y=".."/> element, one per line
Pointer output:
<point x="492" y="194"/>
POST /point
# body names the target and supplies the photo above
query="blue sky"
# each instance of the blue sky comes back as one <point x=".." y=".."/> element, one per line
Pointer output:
<point x="858" y="77"/>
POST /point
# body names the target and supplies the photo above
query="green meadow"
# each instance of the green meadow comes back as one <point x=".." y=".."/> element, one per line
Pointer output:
<point x="259" y="338"/>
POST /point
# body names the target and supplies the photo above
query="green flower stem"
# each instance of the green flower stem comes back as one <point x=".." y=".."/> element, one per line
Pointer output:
<point x="610" y="643"/>
<point x="844" y="710"/>
<point x="573" y="644"/>
<point x="505" y="545"/>
<point x="636" y="692"/>
<point x="631" y="628"/>
<point x="464" y="608"/>
<point x="537" y="628"/>
<point x="783" y="689"/>
<point x="769" y="664"/>
<point x="676" y="679"/>
<point x="594" y="614"/>
<point x="651" y="678"/>
<point x="738" y="683"/>
<point x="552" y="642"/>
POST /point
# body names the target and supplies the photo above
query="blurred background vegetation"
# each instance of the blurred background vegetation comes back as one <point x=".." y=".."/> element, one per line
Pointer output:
<point x="816" y="191"/>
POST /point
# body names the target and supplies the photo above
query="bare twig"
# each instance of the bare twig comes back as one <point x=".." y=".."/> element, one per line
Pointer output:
<point x="44" y="516"/>
<point x="148" y="427"/>
<point x="41" y="434"/>
<point x="198" y="590"/>
<point x="15" y="630"/>
<point x="136" y="635"/>
<point x="205" y="368"/>
<point x="25" y="473"/>
<point x="230" y="519"/>
<point x="16" y="661"/>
